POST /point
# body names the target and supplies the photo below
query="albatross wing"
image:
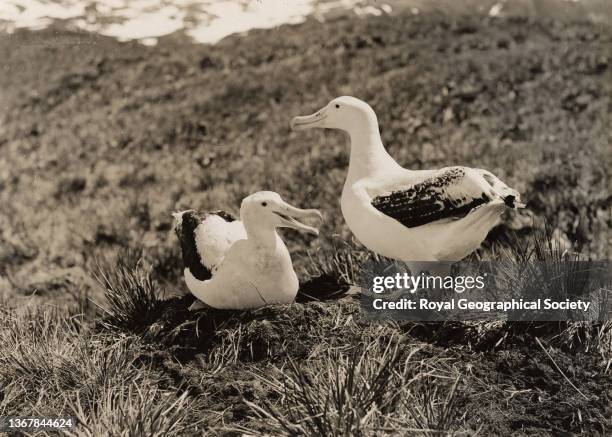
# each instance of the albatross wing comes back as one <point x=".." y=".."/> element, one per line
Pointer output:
<point x="217" y="232"/>
<point x="449" y="193"/>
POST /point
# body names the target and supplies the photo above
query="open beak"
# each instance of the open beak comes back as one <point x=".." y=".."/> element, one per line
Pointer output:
<point x="309" y="121"/>
<point x="289" y="214"/>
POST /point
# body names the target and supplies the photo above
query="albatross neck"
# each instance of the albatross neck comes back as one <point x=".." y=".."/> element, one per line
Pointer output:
<point x="262" y="235"/>
<point x="368" y="155"/>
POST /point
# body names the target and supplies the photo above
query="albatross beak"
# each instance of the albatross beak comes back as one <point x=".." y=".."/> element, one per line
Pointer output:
<point x="288" y="215"/>
<point x="309" y="121"/>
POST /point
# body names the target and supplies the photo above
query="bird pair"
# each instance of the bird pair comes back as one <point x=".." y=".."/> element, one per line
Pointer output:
<point x="413" y="216"/>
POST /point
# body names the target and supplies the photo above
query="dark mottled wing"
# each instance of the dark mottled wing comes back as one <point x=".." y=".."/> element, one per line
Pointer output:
<point x="210" y="247"/>
<point x="185" y="231"/>
<point x="439" y="197"/>
<point x="194" y="264"/>
<point x="225" y="215"/>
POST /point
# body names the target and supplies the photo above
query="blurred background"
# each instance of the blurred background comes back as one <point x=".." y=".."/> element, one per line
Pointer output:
<point x="113" y="114"/>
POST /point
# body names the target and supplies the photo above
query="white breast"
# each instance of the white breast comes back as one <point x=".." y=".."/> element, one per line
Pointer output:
<point x="248" y="277"/>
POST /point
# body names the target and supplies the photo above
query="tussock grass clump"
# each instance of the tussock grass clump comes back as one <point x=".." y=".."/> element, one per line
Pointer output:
<point x="49" y="355"/>
<point x="529" y="267"/>
<point x="331" y="272"/>
<point x="434" y="412"/>
<point x="133" y="410"/>
<point x="544" y="265"/>
<point x="53" y="364"/>
<point x="373" y="388"/>
<point x="132" y="298"/>
<point x="34" y="342"/>
<point x="342" y="260"/>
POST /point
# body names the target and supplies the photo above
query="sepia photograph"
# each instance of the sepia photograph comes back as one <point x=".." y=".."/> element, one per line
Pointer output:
<point x="305" y="217"/>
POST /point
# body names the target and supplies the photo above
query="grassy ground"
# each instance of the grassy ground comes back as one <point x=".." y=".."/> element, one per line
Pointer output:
<point x="149" y="366"/>
<point x="101" y="140"/>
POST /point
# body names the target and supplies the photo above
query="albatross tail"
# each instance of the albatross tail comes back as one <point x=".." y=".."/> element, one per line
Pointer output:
<point x="512" y="199"/>
<point x="473" y="229"/>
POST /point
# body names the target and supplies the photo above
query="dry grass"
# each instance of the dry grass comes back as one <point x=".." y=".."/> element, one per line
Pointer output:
<point x="132" y="298"/>
<point x="149" y="366"/>
<point x="92" y="169"/>
<point x="372" y="388"/>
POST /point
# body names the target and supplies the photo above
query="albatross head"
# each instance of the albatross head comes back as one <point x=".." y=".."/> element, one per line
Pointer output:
<point x="344" y="113"/>
<point x="268" y="209"/>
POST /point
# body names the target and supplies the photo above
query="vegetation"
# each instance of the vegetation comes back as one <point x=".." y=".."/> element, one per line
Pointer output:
<point x="101" y="140"/>
<point x="149" y="365"/>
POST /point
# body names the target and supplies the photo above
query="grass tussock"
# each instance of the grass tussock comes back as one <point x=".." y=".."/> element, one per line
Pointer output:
<point x="129" y="409"/>
<point x="330" y="273"/>
<point x="52" y="364"/>
<point x="373" y="388"/>
<point x="132" y="297"/>
<point x="343" y="260"/>
<point x="544" y="265"/>
<point x="536" y="265"/>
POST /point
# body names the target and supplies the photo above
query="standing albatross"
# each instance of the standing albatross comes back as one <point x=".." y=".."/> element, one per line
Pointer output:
<point x="409" y="215"/>
<point x="241" y="264"/>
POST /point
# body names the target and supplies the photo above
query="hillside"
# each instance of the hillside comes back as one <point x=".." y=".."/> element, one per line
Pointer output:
<point x="100" y="141"/>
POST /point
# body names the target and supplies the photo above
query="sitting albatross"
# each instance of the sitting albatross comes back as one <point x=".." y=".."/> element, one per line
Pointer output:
<point x="232" y="264"/>
<point x="409" y="215"/>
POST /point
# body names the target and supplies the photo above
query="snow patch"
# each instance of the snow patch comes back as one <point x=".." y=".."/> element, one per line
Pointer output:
<point x="206" y="21"/>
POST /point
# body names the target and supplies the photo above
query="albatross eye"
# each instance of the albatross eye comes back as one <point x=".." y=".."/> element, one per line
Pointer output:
<point x="337" y="106"/>
<point x="264" y="203"/>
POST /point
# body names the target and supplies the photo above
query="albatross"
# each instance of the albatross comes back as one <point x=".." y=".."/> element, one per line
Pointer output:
<point x="409" y="215"/>
<point x="241" y="264"/>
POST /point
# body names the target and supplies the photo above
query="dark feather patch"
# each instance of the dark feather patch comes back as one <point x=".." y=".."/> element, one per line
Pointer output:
<point x="424" y="202"/>
<point x="186" y="235"/>
<point x="227" y="216"/>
